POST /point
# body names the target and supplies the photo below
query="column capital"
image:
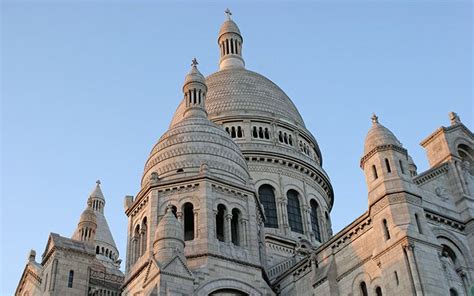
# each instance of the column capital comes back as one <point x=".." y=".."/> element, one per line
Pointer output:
<point x="228" y="216"/>
<point x="408" y="246"/>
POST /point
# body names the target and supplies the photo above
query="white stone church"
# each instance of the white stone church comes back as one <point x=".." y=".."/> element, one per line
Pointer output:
<point x="234" y="200"/>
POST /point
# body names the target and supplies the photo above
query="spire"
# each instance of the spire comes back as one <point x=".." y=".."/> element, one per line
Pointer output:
<point x="195" y="91"/>
<point x="230" y="44"/>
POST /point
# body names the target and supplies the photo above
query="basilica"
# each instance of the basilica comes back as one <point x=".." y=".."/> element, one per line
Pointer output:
<point x="234" y="200"/>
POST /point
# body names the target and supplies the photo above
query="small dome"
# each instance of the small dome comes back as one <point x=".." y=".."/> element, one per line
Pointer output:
<point x="169" y="228"/>
<point x="88" y="216"/>
<point x="229" y="26"/>
<point x="379" y="135"/>
<point x="194" y="75"/>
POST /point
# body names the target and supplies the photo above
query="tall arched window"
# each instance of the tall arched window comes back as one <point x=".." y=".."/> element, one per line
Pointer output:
<point x="378" y="291"/>
<point x="136" y="247"/>
<point x="385" y="229"/>
<point x="267" y="198"/>
<point x="387" y="164"/>
<point x="363" y="289"/>
<point x="402" y="169"/>
<point x="418" y="225"/>
<point x="294" y="211"/>
<point x="70" y="279"/>
<point x="314" y="220"/>
<point x="374" y="172"/>
<point x="188" y="210"/>
<point x="234" y="227"/>
<point x="97" y="250"/>
<point x="220" y="222"/>
<point x="144" y="235"/>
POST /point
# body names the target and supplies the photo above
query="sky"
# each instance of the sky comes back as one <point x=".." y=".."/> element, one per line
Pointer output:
<point x="88" y="87"/>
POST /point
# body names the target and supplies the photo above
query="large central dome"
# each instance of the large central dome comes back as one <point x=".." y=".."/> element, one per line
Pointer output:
<point x="240" y="91"/>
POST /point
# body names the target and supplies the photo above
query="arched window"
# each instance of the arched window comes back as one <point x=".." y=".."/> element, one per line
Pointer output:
<point x="363" y="289"/>
<point x="387" y="164"/>
<point x="260" y="132"/>
<point x="294" y="211"/>
<point x="97" y="250"/>
<point x="385" y="229"/>
<point x="70" y="279"/>
<point x="234" y="227"/>
<point x="314" y="220"/>
<point x="453" y="292"/>
<point x="220" y="222"/>
<point x="254" y="132"/>
<point x="106" y="252"/>
<point x="374" y="172"/>
<point x="136" y="241"/>
<point x="402" y="169"/>
<point x="188" y="210"/>
<point x="285" y="138"/>
<point x="266" y="194"/>
<point x="290" y="140"/>
<point x="239" y="132"/>
<point x="267" y="134"/>
<point x="280" y="136"/>
<point x="418" y="225"/>
<point x="174" y="210"/>
<point x="378" y="291"/>
<point x="102" y="251"/>
<point x="144" y="235"/>
<point x="233" y="135"/>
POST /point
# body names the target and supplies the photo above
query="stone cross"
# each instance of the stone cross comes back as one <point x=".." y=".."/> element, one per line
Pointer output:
<point x="98" y="182"/>
<point x="375" y="119"/>
<point x="228" y="12"/>
<point x="194" y="63"/>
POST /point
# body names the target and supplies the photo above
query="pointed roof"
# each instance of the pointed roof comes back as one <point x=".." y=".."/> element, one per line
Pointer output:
<point x="379" y="135"/>
<point x="97" y="192"/>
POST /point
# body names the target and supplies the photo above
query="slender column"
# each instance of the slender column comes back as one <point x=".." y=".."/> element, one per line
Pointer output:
<point x="243" y="227"/>
<point x="306" y="222"/>
<point x="196" y="228"/>
<point x="179" y="215"/>
<point x="228" y="228"/>
<point x="143" y="240"/>
<point x="215" y="224"/>
<point x="409" y="249"/>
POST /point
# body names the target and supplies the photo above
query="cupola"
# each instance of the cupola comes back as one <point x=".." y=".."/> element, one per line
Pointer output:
<point x="230" y="43"/>
<point x="194" y="90"/>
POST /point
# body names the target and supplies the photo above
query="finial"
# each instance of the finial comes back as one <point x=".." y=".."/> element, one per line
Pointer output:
<point x="454" y="118"/>
<point x="97" y="182"/>
<point x="194" y="63"/>
<point x="228" y="13"/>
<point x="169" y="208"/>
<point x="375" y="118"/>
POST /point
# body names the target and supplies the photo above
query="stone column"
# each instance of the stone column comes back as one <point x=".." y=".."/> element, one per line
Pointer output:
<point x="243" y="231"/>
<point x="228" y="228"/>
<point x="196" y="225"/>
<point x="307" y="222"/>
<point x="215" y="224"/>
<point x="179" y="216"/>
<point x="143" y="240"/>
<point x="410" y="251"/>
<point x="282" y="204"/>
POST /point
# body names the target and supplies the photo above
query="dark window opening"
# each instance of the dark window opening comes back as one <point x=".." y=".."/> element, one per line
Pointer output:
<point x="70" y="279"/>
<point x="378" y="291"/>
<point x="385" y="229"/>
<point x="374" y="172"/>
<point x="220" y="222"/>
<point x="387" y="164"/>
<point x="188" y="210"/>
<point x="267" y="198"/>
<point x="234" y="227"/>
<point x="314" y="220"/>
<point x="294" y="211"/>
<point x="363" y="289"/>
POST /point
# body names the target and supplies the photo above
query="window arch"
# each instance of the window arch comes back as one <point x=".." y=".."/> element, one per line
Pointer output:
<point x="374" y="172"/>
<point x="188" y="211"/>
<point x="144" y="235"/>
<point x="266" y="194"/>
<point x="314" y="220"/>
<point x="294" y="211"/>
<point x="378" y="291"/>
<point x="387" y="164"/>
<point x="453" y="292"/>
<point x="221" y="210"/>
<point x="70" y="279"/>
<point x="363" y="289"/>
<point x="234" y="227"/>
<point x="385" y="229"/>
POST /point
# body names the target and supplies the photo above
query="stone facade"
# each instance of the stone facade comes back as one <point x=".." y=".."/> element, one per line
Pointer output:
<point x="234" y="201"/>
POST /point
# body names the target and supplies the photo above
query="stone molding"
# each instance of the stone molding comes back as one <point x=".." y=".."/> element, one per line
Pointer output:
<point x="436" y="218"/>
<point x="431" y="174"/>
<point x="381" y="148"/>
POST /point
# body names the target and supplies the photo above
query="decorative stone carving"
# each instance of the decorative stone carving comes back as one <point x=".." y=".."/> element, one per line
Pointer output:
<point x="442" y="193"/>
<point x="154" y="177"/>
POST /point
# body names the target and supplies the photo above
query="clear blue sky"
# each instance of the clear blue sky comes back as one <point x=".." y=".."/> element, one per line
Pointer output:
<point x="88" y="87"/>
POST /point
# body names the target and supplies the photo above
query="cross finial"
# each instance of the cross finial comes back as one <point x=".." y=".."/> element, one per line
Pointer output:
<point x="228" y="12"/>
<point x="97" y="182"/>
<point x="194" y="63"/>
<point x="375" y="118"/>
